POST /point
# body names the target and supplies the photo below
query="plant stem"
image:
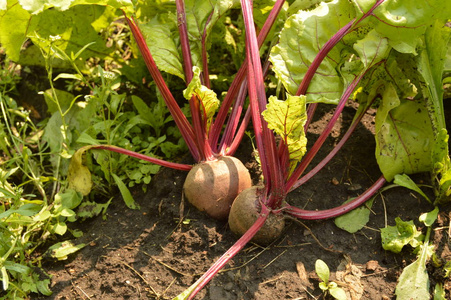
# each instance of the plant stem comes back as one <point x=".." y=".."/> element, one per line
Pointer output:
<point x="239" y="77"/>
<point x="177" y="166"/>
<point x="332" y="153"/>
<point x="328" y="46"/>
<point x="205" y="72"/>
<point x="205" y="151"/>
<point x="337" y="211"/>
<point x="266" y="144"/>
<point x="181" y="121"/>
<point x="322" y="138"/>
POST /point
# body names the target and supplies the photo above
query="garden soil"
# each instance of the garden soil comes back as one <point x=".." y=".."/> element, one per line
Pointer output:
<point x="158" y="251"/>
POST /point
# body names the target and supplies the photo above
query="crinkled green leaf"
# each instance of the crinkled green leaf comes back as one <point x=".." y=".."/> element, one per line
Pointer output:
<point x="372" y="48"/>
<point x="404" y="22"/>
<point x="303" y="35"/>
<point x="287" y="119"/>
<point x="356" y="219"/>
<point x="404" y="136"/>
<point x="322" y="270"/>
<point x="405" y="181"/>
<point x="208" y="99"/>
<point x="394" y="238"/>
<point x="413" y="283"/>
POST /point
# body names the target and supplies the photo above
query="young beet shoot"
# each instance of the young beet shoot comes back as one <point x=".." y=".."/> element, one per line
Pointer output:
<point x="214" y="182"/>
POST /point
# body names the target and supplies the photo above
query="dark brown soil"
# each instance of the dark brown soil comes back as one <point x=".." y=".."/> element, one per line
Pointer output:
<point x="151" y="254"/>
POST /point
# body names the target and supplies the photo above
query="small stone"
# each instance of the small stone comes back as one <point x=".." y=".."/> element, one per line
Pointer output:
<point x="372" y="265"/>
<point x="335" y="181"/>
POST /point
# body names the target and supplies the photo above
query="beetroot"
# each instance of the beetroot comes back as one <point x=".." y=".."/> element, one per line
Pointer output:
<point x="245" y="210"/>
<point x="211" y="186"/>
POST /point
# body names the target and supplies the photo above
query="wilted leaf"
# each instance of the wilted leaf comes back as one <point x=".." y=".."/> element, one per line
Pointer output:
<point x="79" y="175"/>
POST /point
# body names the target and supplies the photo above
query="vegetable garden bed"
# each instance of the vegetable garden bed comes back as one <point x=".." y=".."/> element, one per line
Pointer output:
<point x="150" y="254"/>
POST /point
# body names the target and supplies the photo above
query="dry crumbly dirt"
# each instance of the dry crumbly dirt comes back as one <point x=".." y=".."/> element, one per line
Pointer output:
<point x="151" y="254"/>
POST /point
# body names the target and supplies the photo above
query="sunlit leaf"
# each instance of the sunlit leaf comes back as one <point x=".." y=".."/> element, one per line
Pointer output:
<point x="338" y="293"/>
<point x="322" y="270"/>
<point x="37" y="6"/>
<point x="62" y="250"/>
<point x="287" y="119"/>
<point x="429" y="218"/>
<point x="302" y="37"/>
<point x="404" y="23"/>
<point x="208" y="99"/>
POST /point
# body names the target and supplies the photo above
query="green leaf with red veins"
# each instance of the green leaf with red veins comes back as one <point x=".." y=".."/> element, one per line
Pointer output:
<point x="287" y="119"/>
<point x="302" y="37"/>
<point x="404" y="135"/>
<point x="405" y="21"/>
<point x="209" y="100"/>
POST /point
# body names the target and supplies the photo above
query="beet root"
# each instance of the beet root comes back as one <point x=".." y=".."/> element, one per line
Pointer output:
<point x="212" y="186"/>
<point x="245" y="211"/>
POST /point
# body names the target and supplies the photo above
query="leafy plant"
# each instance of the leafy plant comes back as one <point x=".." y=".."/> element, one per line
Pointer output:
<point x="36" y="203"/>
<point x="202" y="135"/>
<point x="360" y="54"/>
<point x="414" y="280"/>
